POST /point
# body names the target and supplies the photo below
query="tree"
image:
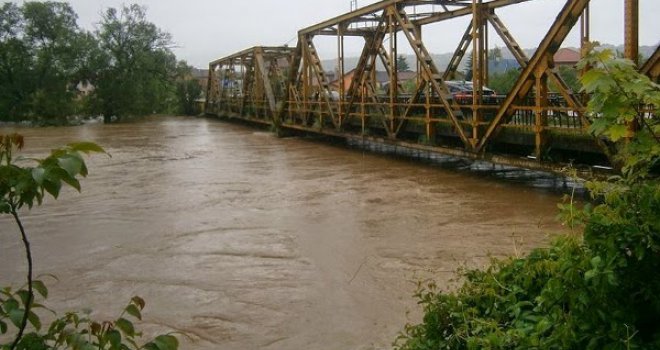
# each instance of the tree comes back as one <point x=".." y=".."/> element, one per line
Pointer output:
<point x="570" y="76"/>
<point x="402" y="64"/>
<point x="137" y="69"/>
<point x="468" y="67"/>
<point x="52" y="32"/>
<point x="503" y="82"/>
<point x="495" y="54"/>
<point x="188" y="89"/>
<point x="15" y="63"/>
<point x="44" y="55"/>
<point x="40" y="59"/>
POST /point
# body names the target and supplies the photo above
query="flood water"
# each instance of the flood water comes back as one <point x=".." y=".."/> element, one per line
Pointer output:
<point x="246" y="241"/>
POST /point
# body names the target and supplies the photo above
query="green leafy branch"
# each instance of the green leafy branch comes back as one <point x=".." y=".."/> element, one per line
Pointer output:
<point x="20" y="186"/>
<point x="75" y="331"/>
<point x="623" y="105"/>
<point x="25" y="182"/>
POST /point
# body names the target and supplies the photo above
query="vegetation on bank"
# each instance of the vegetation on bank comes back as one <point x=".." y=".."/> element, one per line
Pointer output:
<point x="596" y="288"/>
<point x="23" y="184"/>
<point x="50" y="68"/>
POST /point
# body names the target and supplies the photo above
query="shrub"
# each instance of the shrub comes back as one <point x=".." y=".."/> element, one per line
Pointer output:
<point x="596" y="289"/>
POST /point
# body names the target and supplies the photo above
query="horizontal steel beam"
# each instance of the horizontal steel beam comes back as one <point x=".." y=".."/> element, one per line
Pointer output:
<point x="267" y="51"/>
<point x="379" y="6"/>
<point x="360" y="14"/>
<point x="441" y="16"/>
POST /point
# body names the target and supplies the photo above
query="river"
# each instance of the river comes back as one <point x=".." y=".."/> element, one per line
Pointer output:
<point x="244" y="240"/>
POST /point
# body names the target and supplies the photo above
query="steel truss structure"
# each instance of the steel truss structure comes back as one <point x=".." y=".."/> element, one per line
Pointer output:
<point x="249" y="83"/>
<point x="529" y="120"/>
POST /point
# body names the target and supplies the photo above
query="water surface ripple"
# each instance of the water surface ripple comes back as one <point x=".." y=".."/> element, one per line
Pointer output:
<point x="247" y="241"/>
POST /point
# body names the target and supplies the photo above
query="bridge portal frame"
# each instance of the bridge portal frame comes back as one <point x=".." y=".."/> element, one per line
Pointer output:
<point x="249" y="83"/>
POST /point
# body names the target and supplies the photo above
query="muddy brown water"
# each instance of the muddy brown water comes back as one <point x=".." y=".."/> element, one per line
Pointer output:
<point x="246" y="241"/>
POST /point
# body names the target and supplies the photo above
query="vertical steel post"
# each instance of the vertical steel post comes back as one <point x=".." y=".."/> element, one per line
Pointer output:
<point x="209" y="82"/>
<point x="540" y="112"/>
<point x="632" y="30"/>
<point x="305" y="80"/>
<point x="430" y="126"/>
<point x="486" y="53"/>
<point x="632" y="45"/>
<point x="340" y="72"/>
<point x="585" y="29"/>
<point x="393" y="74"/>
<point x="478" y="58"/>
<point x="418" y="78"/>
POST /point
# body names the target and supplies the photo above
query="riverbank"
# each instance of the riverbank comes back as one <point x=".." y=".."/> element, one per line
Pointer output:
<point x="49" y="122"/>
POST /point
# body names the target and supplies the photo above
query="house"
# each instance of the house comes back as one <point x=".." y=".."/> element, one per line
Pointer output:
<point x="567" y="57"/>
<point x="84" y="88"/>
<point x="345" y="81"/>
<point x="403" y="80"/>
<point x="202" y="76"/>
<point x="381" y="77"/>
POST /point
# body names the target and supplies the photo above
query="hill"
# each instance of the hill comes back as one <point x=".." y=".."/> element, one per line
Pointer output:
<point x="442" y="60"/>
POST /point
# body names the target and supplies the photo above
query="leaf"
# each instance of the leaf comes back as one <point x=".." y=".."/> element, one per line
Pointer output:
<point x="114" y="337"/>
<point x="38" y="174"/>
<point x="590" y="274"/>
<point x="88" y="346"/>
<point x="598" y="127"/>
<point x="71" y="164"/>
<point x="3" y="327"/>
<point x="133" y="311"/>
<point x="132" y="342"/>
<point x="83" y="170"/>
<point x="87" y="147"/>
<point x="591" y="80"/>
<point x="95" y="328"/>
<point x="10" y="304"/>
<point x="34" y="320"/>
<point x="40" y="287"/>
<point x="73" y="182"/>
<point x="53" y="188"/>
<point x="151" y="346"/>
<point x="4" y="207"/>
<point x="77" y="341"/>
<point x="138" y="301"/>
<point x="616" y="132"/>
<point x="24" y="295"/>
<point x="16" y="317"/>
<point x="166" y="342"/>
<point x="125" y="326"/>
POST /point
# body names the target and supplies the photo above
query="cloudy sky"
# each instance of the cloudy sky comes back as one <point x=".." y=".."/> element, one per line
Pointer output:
<point x="207" y="29"/>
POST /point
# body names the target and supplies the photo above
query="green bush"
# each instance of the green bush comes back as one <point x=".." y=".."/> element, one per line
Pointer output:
<point x="594" y="289"/>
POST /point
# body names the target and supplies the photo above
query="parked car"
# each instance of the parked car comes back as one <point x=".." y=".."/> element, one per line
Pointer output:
<point x="461" y="92"/>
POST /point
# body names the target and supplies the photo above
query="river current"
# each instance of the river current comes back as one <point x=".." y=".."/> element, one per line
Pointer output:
<point x="243" y="240"/>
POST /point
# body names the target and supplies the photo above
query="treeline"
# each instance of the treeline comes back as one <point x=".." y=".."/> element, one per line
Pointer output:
<point x="50" y="68"/>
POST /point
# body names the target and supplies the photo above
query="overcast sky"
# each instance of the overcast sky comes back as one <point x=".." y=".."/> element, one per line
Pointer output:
<point x="204" y="30"/>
